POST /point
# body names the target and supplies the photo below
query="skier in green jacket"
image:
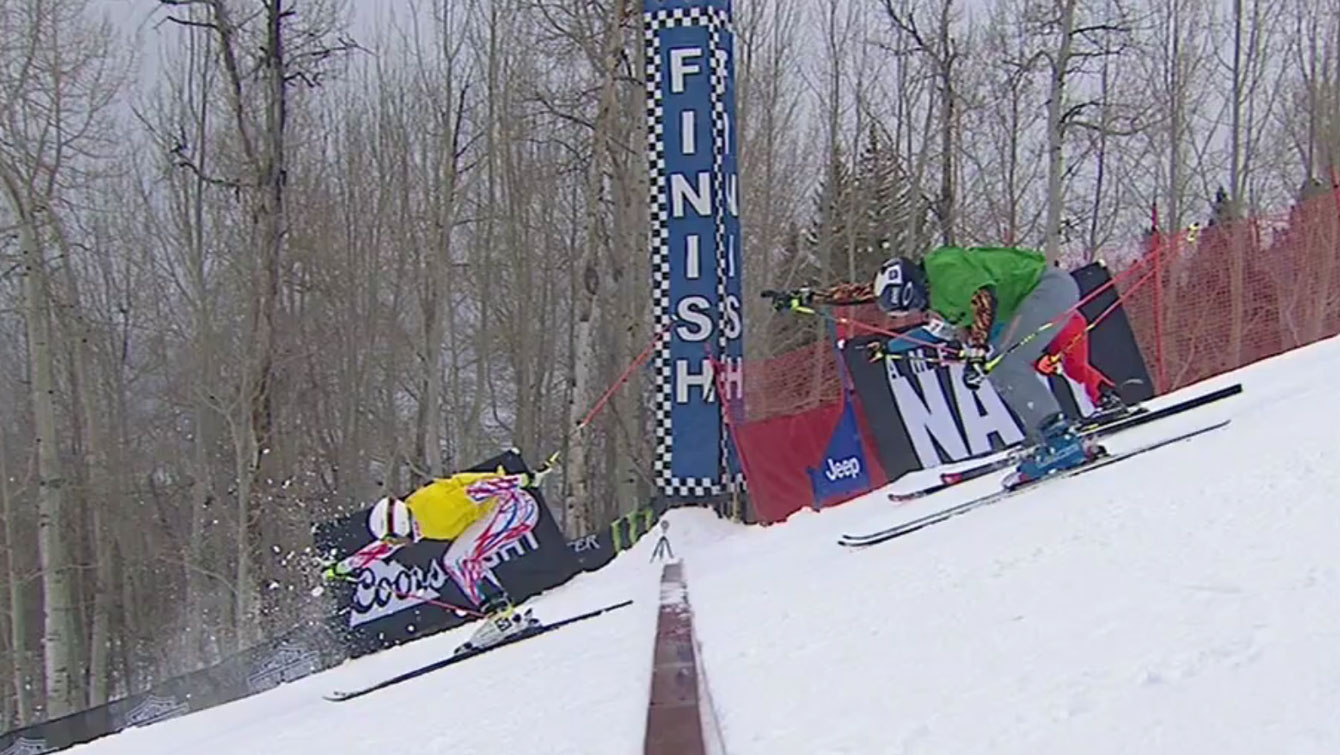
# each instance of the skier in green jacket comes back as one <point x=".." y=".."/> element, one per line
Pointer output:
<point x="989" y="299"/>
<point x="1004" y="308"/>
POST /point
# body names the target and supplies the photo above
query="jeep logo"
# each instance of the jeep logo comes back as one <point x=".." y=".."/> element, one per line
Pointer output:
<point x="849" y="467"/>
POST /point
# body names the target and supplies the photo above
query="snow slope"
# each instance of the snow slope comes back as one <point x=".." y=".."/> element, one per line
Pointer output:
<point x="1182" y="602"/>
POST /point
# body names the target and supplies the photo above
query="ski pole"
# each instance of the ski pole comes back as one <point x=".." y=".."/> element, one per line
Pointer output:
<point x="1109" y="310"/>
<point x="613" y="388"/>
<point x="1101" y="316"/>
<point x="938" y="360"/>
<point x="778" y="296"/>
<point x="1069" y="311"/>
<point x="991" y="364"/>
<point x="623" y="378"/>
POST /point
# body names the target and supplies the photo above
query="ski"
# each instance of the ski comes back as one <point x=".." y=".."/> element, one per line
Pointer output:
<point x="898" y="530"/>
<point x="1102" y="430"/>
<point x="339" y="696"/>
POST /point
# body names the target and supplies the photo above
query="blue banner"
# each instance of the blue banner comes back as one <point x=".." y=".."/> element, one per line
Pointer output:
<point x="695" y="241"/>
<point x="843" y="472"/>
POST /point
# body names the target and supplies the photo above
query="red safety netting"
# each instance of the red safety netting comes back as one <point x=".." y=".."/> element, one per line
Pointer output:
<point x="806" y="378"/>
<point x="1209" y="300"/>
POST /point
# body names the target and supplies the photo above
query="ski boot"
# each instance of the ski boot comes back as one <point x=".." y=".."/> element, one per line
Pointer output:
<point x="501" y="621"/>
<point x="1061" y="448"/>
<point x="1110" y="408"/>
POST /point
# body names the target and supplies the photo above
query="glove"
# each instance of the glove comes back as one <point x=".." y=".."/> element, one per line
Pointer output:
<point x="1048" y="364"/>
<point x="536" y="478"/>
<point x="337" y="572"/>
<point x="786" y="301"/>
<point x="875" y="351"/>
<point x="974" y="365"/>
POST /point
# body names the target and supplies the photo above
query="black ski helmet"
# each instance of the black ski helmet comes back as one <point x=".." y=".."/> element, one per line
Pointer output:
<point x="900" y="287"/>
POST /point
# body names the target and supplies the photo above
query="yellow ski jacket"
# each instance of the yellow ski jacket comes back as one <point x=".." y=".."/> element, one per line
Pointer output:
<point x="445" y="508"/>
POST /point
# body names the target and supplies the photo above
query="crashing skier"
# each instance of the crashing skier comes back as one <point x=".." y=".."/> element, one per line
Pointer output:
<point x="990" y="304"/>
<point x="480" y="513"/>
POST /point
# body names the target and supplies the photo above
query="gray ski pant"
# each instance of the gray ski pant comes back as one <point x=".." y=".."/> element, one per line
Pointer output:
<point x="1015" y="378"/>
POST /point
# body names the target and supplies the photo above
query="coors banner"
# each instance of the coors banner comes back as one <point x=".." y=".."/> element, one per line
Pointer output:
<point x="387" y="604"/>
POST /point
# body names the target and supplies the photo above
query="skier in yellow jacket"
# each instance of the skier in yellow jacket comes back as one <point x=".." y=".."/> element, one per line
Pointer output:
<point x="480" y="513"/>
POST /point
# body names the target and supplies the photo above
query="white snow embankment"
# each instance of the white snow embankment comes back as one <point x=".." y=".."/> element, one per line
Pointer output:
<point x="580" y="690"/>
<point x="1181" y="602"/>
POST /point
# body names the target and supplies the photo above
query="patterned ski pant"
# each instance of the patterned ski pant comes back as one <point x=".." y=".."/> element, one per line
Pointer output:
<point x="515" y="516"/>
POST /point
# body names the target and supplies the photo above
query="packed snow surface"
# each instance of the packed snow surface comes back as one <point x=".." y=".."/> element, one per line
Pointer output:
<point x="1187" y="601"/>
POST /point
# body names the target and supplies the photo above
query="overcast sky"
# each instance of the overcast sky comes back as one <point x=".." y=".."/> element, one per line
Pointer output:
<point x="144" y="18"/>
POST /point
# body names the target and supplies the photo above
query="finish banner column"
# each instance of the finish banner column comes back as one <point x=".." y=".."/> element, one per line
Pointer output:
<point x="695" y="241"/>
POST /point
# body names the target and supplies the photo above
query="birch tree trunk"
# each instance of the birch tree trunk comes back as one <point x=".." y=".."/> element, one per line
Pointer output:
<point x="448" y="126"/>
<point x="93" y="460"/>
<point x="586" y="363"/>
<point x="59" y="627"/>
<point x="18" y="608"/>
<point x="1060" y="65"/>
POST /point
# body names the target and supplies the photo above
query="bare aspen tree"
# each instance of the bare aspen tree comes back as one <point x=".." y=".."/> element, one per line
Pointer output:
<point x="838" y="33"/>
<point x="59" y="76"/>
<point x="1003" y="134"/>
<point x="263" y="36"/>
<point x="94" y="470"/>
<point x="938" y="45"/>
<point x="198" y="82"/>
<point x="15" y="578"/>
<point x="1251" y="99"/>
<point x="183" y="129"/>
<point x="54" y="557"/>
<point x="1178" y="62"/>
<point x="451" y="88"/>
<point x="1308" y="47"/>
<point x="1252" y="61"/>
<point x="826" y="237"/>
<point x="259" y="119"/>
<point x="424" y="101"/>
<point x="1072" y="37"/>
<point x="771" y="162"/>
<point x="592" y="287"/>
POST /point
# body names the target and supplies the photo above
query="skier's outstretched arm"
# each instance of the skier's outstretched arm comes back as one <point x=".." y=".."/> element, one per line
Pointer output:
<point x="377" y="550"/>
<point x="841" y="294"/>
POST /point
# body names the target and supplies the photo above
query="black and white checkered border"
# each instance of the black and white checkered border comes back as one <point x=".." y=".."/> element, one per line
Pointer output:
<point x="717" y="100"/>
<point x="659" y="241"/>
<point x="719" y="27"/>
<point x="670" y="18"/>
<point x="715" y="20"/>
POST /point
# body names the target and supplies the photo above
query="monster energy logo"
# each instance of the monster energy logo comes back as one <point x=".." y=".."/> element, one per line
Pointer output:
<point x="637" y="524"/>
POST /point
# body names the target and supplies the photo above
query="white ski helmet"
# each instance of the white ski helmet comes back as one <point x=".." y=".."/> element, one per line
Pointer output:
<point x="900" y="287"/>
<point x="390" y="517"/>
